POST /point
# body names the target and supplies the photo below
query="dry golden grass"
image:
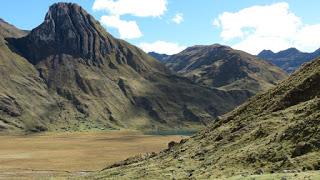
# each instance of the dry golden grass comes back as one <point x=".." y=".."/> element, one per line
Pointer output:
<point x="63" y="154"/>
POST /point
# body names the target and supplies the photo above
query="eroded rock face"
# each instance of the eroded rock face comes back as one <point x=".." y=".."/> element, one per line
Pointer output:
<point x="10" y="106"/>
<point x="67" y="29"/>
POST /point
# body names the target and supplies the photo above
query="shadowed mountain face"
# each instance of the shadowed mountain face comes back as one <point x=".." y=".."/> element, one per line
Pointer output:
<point x="70" y="74"/>
<point x="290" y="59"/>
<point x="272" y="132"/>
<point x="159" y="57"/>
<point x="221" y="67"/>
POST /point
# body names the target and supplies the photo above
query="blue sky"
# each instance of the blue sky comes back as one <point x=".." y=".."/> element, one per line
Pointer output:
<point x="168" y="26"/>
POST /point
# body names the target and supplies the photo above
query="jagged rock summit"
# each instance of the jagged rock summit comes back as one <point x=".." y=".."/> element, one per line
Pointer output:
<point x="67" y="29"/>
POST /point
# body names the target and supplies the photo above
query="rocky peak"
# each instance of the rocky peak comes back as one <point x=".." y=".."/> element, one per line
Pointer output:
<point x="289" y="52"/>
<point x="67" y="29"/>
<point x="265" y="53"/>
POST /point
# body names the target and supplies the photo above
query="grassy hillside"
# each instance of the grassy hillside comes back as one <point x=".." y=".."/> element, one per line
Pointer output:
<point x="24" y="98"/>
<point x="7" y="30"/>
<point x="277" y="131"/>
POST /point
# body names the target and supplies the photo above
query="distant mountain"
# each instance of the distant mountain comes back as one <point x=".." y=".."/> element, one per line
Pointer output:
<point x="70" y="74"/>
<point x="274" y="132"/>
<point x="222" y="67"/>
<point x="290" y="59"/>
<point x="159" y="57"/>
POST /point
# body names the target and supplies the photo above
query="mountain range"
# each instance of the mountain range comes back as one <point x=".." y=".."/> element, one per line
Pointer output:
<point x="290" y="59"/>
<point x="276" y="131"/>
<point x="218" y="66"/>
<point x="70" y="74"/>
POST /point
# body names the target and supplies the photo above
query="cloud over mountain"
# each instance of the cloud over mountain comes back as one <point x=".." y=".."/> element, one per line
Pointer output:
<point x="117" y="8"/>
<point x="272" y="27"/>
<point x="162" y="47"/>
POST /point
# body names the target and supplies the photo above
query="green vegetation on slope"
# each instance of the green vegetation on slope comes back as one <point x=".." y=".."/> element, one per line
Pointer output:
<point x="273" y="132"/>
<point x="23" y="95"/>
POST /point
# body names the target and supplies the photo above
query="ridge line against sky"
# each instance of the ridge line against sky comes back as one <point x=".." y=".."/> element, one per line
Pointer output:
<point x="169" y="26"/>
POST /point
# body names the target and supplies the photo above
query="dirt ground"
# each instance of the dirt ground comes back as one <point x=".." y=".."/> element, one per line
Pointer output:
<point x="64" y="154"/>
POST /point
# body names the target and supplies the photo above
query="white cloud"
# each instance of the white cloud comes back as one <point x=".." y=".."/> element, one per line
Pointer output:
<point x="272" y="27"/>
<point x="127" y="29"/>
<point x="308" y="38"/>
<point x="162" y="47"/>
<point x="178" y="18"/>
<point x="141" y="8"/>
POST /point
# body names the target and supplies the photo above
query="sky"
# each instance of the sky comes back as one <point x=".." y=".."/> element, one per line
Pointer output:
<point x="169" y="26"/>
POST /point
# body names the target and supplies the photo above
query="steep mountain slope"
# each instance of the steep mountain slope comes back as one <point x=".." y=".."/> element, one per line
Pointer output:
<point x="290" y="59"/>
<point x="225" y="68"/>
<point x="274" y="131"/>
<point x="74" y="75"/>
<point x="159" y="57"/>
<point x="23" y="95"/>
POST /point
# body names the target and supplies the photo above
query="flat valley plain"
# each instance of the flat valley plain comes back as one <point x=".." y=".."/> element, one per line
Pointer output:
<point x="42" y="156"/>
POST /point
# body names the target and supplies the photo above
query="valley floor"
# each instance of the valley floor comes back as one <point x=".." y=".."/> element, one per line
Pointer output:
<point x="43" y="156"/>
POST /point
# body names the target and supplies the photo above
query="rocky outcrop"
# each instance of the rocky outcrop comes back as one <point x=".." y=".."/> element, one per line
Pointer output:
<point x="67" y="29"/>
<point x="10" y="106"/>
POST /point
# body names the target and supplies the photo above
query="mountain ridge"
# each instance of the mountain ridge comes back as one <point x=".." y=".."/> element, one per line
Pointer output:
<point x="290" y="59"/>
<point x="222" y="67"/>
<point x="8" y="30"/>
